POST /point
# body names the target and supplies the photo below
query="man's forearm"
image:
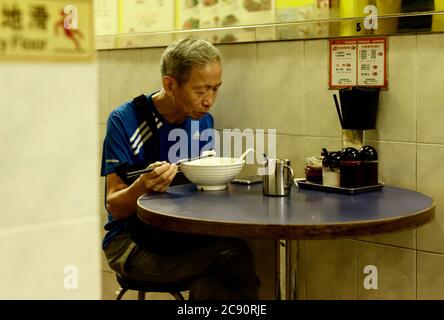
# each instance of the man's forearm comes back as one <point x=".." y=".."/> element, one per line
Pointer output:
<point x="123" y="203"/>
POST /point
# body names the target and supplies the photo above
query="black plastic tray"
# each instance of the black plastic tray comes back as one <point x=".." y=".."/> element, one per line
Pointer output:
<point x="320" y="187"/>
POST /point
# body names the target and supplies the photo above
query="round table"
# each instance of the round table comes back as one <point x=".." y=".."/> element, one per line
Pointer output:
<point x="242" y="211"/>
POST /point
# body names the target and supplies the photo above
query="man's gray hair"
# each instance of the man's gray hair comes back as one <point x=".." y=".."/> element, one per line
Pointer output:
<point x="182" y="55"/>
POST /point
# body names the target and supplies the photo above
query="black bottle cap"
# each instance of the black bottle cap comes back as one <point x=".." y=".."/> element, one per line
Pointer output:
<point x="335" y="159"/>
<point x="350" y="154"/>
<point x="368" y="153"/>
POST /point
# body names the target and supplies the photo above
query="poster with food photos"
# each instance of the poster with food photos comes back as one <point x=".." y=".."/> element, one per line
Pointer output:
<point x="203" y="14"/>
<point x="138" y="16"/>
<point x="105" y="14"/>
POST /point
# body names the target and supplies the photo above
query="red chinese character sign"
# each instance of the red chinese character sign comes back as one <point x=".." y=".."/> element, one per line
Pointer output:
<point x="46" y="30"/>
<point x="358" y="62"/>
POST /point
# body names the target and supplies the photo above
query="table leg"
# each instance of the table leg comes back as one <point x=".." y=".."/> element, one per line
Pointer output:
<point x="286" y="270"/>
<point x="277" y="271"/>
<point x="291" y="262"/>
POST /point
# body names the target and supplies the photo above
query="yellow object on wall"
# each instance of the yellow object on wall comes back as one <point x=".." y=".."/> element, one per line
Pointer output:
<point x="46" y="30"/>
<point x="351" y="9"/>
<point x="293" y="3"/>
<point x="388" y="7"/>
<point x="355" y="9"/>
<point x="438" y="20"/>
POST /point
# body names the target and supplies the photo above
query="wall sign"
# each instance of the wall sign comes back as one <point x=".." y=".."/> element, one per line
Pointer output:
<point x="46" y="30"/>
<point x="358" y="62"/>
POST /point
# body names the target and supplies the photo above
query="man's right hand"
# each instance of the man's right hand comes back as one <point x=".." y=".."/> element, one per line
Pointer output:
<point x="160" y="178"/>
<point x="121" y="199"/>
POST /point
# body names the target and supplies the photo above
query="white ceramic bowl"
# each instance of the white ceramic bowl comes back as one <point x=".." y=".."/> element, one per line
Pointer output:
<point x="213" y="173"/>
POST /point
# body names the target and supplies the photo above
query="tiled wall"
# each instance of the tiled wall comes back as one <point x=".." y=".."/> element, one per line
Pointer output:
<point x="284" y="85"/>
<point x="49" y="186"/>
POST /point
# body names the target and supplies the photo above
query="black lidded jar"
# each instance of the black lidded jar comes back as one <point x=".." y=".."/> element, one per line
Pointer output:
<point x="369" y="165"/>
<point x="350" y="168"/>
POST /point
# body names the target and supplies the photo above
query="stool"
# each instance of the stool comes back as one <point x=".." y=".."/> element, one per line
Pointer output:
<point x="173" y="288"/>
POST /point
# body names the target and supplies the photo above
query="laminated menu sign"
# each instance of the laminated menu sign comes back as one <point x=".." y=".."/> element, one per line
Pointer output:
<point x="358" y="62"/>
<point x="146" y="16"/>
<point x="371" y="62"/>
<point x="203" y="14"/>
<point x="343" y="63"/>
<point x="106" y="13"/>
<point x="46" y="30"/>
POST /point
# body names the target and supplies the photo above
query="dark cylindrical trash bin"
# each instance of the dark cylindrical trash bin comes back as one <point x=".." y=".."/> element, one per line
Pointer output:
<point x="359" y="106"/>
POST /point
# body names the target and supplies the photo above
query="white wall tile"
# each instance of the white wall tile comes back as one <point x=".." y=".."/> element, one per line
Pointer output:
<point x="396" y="167"/>
<point x="430" y="79"/>
<point x="49" y="146"/>
<point x="104" y="85"/>
<point x="292" y="148"/>
<point x="404" y="239"/>
<point x="125" y="76"/>
<point x="430" y="276"/>
<point x="35" y="256"/>
<point x="396" y="119"/>
<point x="281" y="85"/>
<point x="320" y="118"/>
<point x="430" y="177"/>
<point x="149" y="73"/>
<point x="101" y="186"/>
<point x="330" y="269"/>
<point x="49" y="188"/>
<point x="314" y="145"/>
<point x="395" y="272"/>
<point x="237" y="105"/>
<point x="396" y="163"/>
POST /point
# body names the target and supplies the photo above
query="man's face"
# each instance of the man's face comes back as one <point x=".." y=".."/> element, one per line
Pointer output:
<point x="197" y="95"/>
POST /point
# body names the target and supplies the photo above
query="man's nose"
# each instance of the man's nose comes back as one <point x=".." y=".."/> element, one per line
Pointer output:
<point x="209" y="99"/>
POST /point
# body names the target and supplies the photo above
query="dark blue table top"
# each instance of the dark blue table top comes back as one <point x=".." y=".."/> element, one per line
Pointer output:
<point x="243" y="211"/>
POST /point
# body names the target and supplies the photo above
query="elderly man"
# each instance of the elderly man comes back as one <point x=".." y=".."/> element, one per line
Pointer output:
<point x="137" y="135"/>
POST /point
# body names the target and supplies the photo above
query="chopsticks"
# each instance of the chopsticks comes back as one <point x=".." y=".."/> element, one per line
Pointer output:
<point x="137" y="173"/>
<point x="338" y="110"/>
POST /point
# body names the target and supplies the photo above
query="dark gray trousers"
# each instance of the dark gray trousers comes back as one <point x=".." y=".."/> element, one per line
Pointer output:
<point x="219" y="269"/>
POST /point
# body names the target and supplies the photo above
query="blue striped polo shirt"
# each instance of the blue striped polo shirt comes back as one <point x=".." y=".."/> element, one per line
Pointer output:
<point x="129" y="139"/>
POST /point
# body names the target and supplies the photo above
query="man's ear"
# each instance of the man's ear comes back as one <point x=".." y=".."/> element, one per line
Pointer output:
<point x="169" y="85"/>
